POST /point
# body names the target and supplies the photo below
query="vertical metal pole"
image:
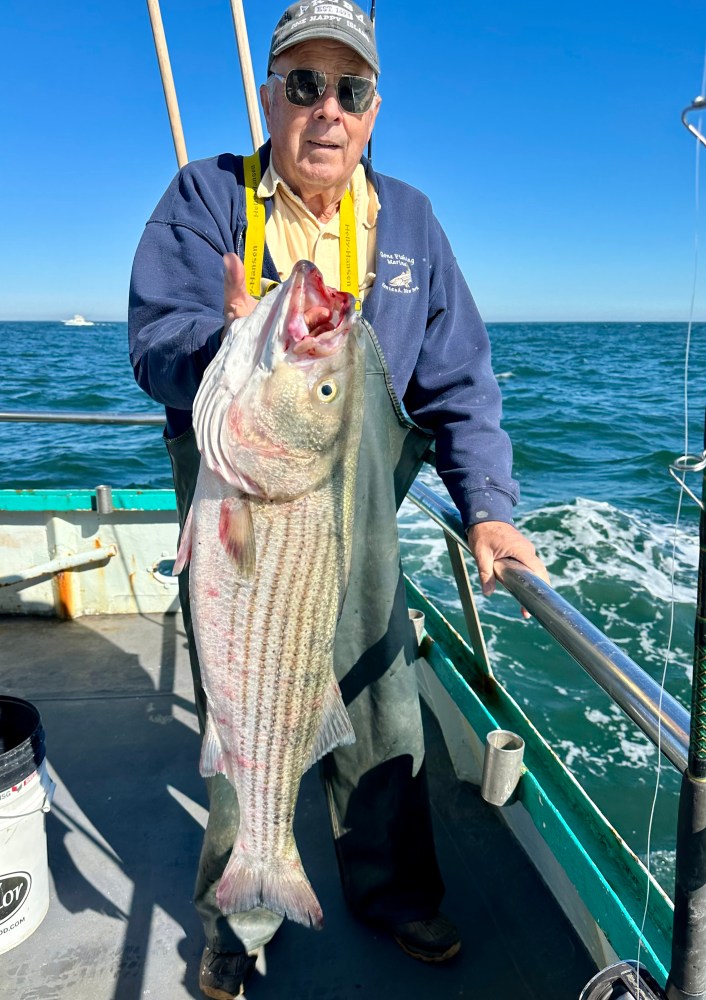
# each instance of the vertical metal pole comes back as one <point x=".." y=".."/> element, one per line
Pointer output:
<point x="241" y="37"/>
<point x="370" y="140"/>
<point x="165" y="71"/>
<point x="470" y="612"/>
<point x="687" y="976"/>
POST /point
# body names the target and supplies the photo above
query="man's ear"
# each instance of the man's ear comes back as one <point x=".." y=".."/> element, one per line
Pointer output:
<point x="373" y="112"/>
<point x="265" y="100"/>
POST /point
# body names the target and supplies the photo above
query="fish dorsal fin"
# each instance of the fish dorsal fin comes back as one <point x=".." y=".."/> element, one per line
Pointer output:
<point x="237" y="534"/>
<point x="184" y="553"/>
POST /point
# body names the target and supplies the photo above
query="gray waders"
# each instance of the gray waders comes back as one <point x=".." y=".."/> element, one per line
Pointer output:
<point x="376" y="789"/>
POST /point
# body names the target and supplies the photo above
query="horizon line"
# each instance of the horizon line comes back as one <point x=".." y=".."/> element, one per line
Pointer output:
<point x="488" y="322"/>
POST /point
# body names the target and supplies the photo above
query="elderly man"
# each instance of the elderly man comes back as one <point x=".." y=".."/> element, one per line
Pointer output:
<point x="428" y="379"/>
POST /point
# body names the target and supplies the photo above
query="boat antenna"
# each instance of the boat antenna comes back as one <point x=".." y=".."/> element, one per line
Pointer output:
<point x="370" y="140"/>
<point x="165" y="71"/>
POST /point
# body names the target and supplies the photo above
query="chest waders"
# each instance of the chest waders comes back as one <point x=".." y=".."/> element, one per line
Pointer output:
<point x="376" y="789"/>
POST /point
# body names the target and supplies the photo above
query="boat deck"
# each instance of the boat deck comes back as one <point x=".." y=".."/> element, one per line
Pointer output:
<point x="124" y="834"/>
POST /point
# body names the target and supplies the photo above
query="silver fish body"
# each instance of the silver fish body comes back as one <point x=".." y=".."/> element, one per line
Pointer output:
<point x="277" y="420"/>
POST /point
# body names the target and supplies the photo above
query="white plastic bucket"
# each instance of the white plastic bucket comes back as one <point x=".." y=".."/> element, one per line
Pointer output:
<point x="25" y="796"/>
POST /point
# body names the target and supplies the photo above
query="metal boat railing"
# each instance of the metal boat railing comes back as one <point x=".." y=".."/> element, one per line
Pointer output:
<point x="660" y="716"/>
<point x="79" y="417"/>
<point x="657" y="714"/>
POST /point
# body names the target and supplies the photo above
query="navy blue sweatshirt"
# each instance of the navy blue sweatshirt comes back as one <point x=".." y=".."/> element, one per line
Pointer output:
<point x="433" y="338"/>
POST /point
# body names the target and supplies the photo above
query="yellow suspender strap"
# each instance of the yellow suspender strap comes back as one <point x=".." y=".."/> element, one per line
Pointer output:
<point x="255" y="233"/>
<point x="348" y="247"/>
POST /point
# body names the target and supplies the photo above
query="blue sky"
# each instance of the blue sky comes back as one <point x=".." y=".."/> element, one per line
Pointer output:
<point x="546" y="134"/>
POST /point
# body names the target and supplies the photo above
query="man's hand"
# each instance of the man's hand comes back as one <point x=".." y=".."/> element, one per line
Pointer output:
<point x="236" y="300"/>
<point x="491" y="540"/>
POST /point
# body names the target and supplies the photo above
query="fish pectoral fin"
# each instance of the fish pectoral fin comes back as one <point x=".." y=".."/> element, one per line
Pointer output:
<point x="237" y="534"/>
<point x="212" y="756"/>
<point x="335" y="729"/>
<point x="184" y="553"/>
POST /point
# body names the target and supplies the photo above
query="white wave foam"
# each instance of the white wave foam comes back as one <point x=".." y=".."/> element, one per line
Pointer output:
<point x="614" y="566"/>
<point x="614" y="746"/>
<point x="594" y="540"/>
<point x="571" y="754"/>
<point x="595" y="715"/>
<point x="585" y="540"/>
<point x="637" y="754"/>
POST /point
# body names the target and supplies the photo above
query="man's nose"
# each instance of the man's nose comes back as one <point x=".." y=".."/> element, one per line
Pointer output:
<point x="328" y="106"/>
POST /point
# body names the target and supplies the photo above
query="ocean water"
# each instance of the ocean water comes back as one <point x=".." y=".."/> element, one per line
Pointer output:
<point x="595" y="412"/>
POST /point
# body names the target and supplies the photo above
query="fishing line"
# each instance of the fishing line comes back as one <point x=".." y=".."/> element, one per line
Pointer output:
<point x="675" y="536"/>
<point x="659" y="737"/>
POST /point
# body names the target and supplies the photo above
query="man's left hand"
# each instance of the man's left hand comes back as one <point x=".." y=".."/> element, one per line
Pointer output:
<point x="491" y="540"/>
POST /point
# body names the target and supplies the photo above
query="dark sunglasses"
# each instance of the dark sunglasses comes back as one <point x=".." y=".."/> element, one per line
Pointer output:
<point x="304" y="87"/>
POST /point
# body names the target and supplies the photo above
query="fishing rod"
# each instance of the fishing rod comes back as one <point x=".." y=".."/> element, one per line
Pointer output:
<point x="687" y="975"/>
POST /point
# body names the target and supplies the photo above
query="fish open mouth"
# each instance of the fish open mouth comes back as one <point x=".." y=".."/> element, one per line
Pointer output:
<point x="318" y="317"/>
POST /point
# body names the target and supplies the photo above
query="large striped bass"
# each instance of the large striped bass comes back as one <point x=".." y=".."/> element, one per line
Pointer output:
<point x="277" y="418"/>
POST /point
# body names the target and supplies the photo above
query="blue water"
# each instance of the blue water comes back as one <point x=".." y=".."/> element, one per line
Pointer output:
<point x="595" y="412"/>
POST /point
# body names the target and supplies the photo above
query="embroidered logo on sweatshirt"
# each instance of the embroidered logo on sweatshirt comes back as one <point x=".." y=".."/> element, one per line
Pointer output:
<point x="398" y="277"/>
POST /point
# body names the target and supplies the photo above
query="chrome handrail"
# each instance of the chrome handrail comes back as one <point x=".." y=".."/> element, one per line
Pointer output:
<point x="80" y="417"/>
<point x="656" y="713"/>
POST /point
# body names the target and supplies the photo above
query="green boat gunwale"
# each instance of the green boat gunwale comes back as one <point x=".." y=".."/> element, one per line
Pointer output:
<point x="82" y="499"/>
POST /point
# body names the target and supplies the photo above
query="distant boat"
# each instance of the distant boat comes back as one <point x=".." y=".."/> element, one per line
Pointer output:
<point x="78" y="320"/>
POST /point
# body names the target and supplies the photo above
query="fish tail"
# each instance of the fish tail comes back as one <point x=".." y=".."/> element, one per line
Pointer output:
<point x="279" y="884"/>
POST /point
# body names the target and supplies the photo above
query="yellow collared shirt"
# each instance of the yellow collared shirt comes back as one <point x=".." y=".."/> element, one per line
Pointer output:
<point x="292" y="233"/>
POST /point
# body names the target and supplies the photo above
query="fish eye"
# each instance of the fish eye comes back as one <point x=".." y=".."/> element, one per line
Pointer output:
<point x="326" y="390"/>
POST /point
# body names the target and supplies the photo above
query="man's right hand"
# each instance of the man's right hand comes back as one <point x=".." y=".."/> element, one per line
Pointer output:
<point x="236" y="300"/>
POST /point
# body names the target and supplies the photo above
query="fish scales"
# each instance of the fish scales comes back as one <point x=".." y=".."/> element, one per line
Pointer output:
<point x="294" y="661"/>
<point x="277" y="477"/>
<point x="285" y="664"/>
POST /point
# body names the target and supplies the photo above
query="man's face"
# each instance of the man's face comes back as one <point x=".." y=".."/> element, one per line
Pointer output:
<point x="317" y="148"/>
